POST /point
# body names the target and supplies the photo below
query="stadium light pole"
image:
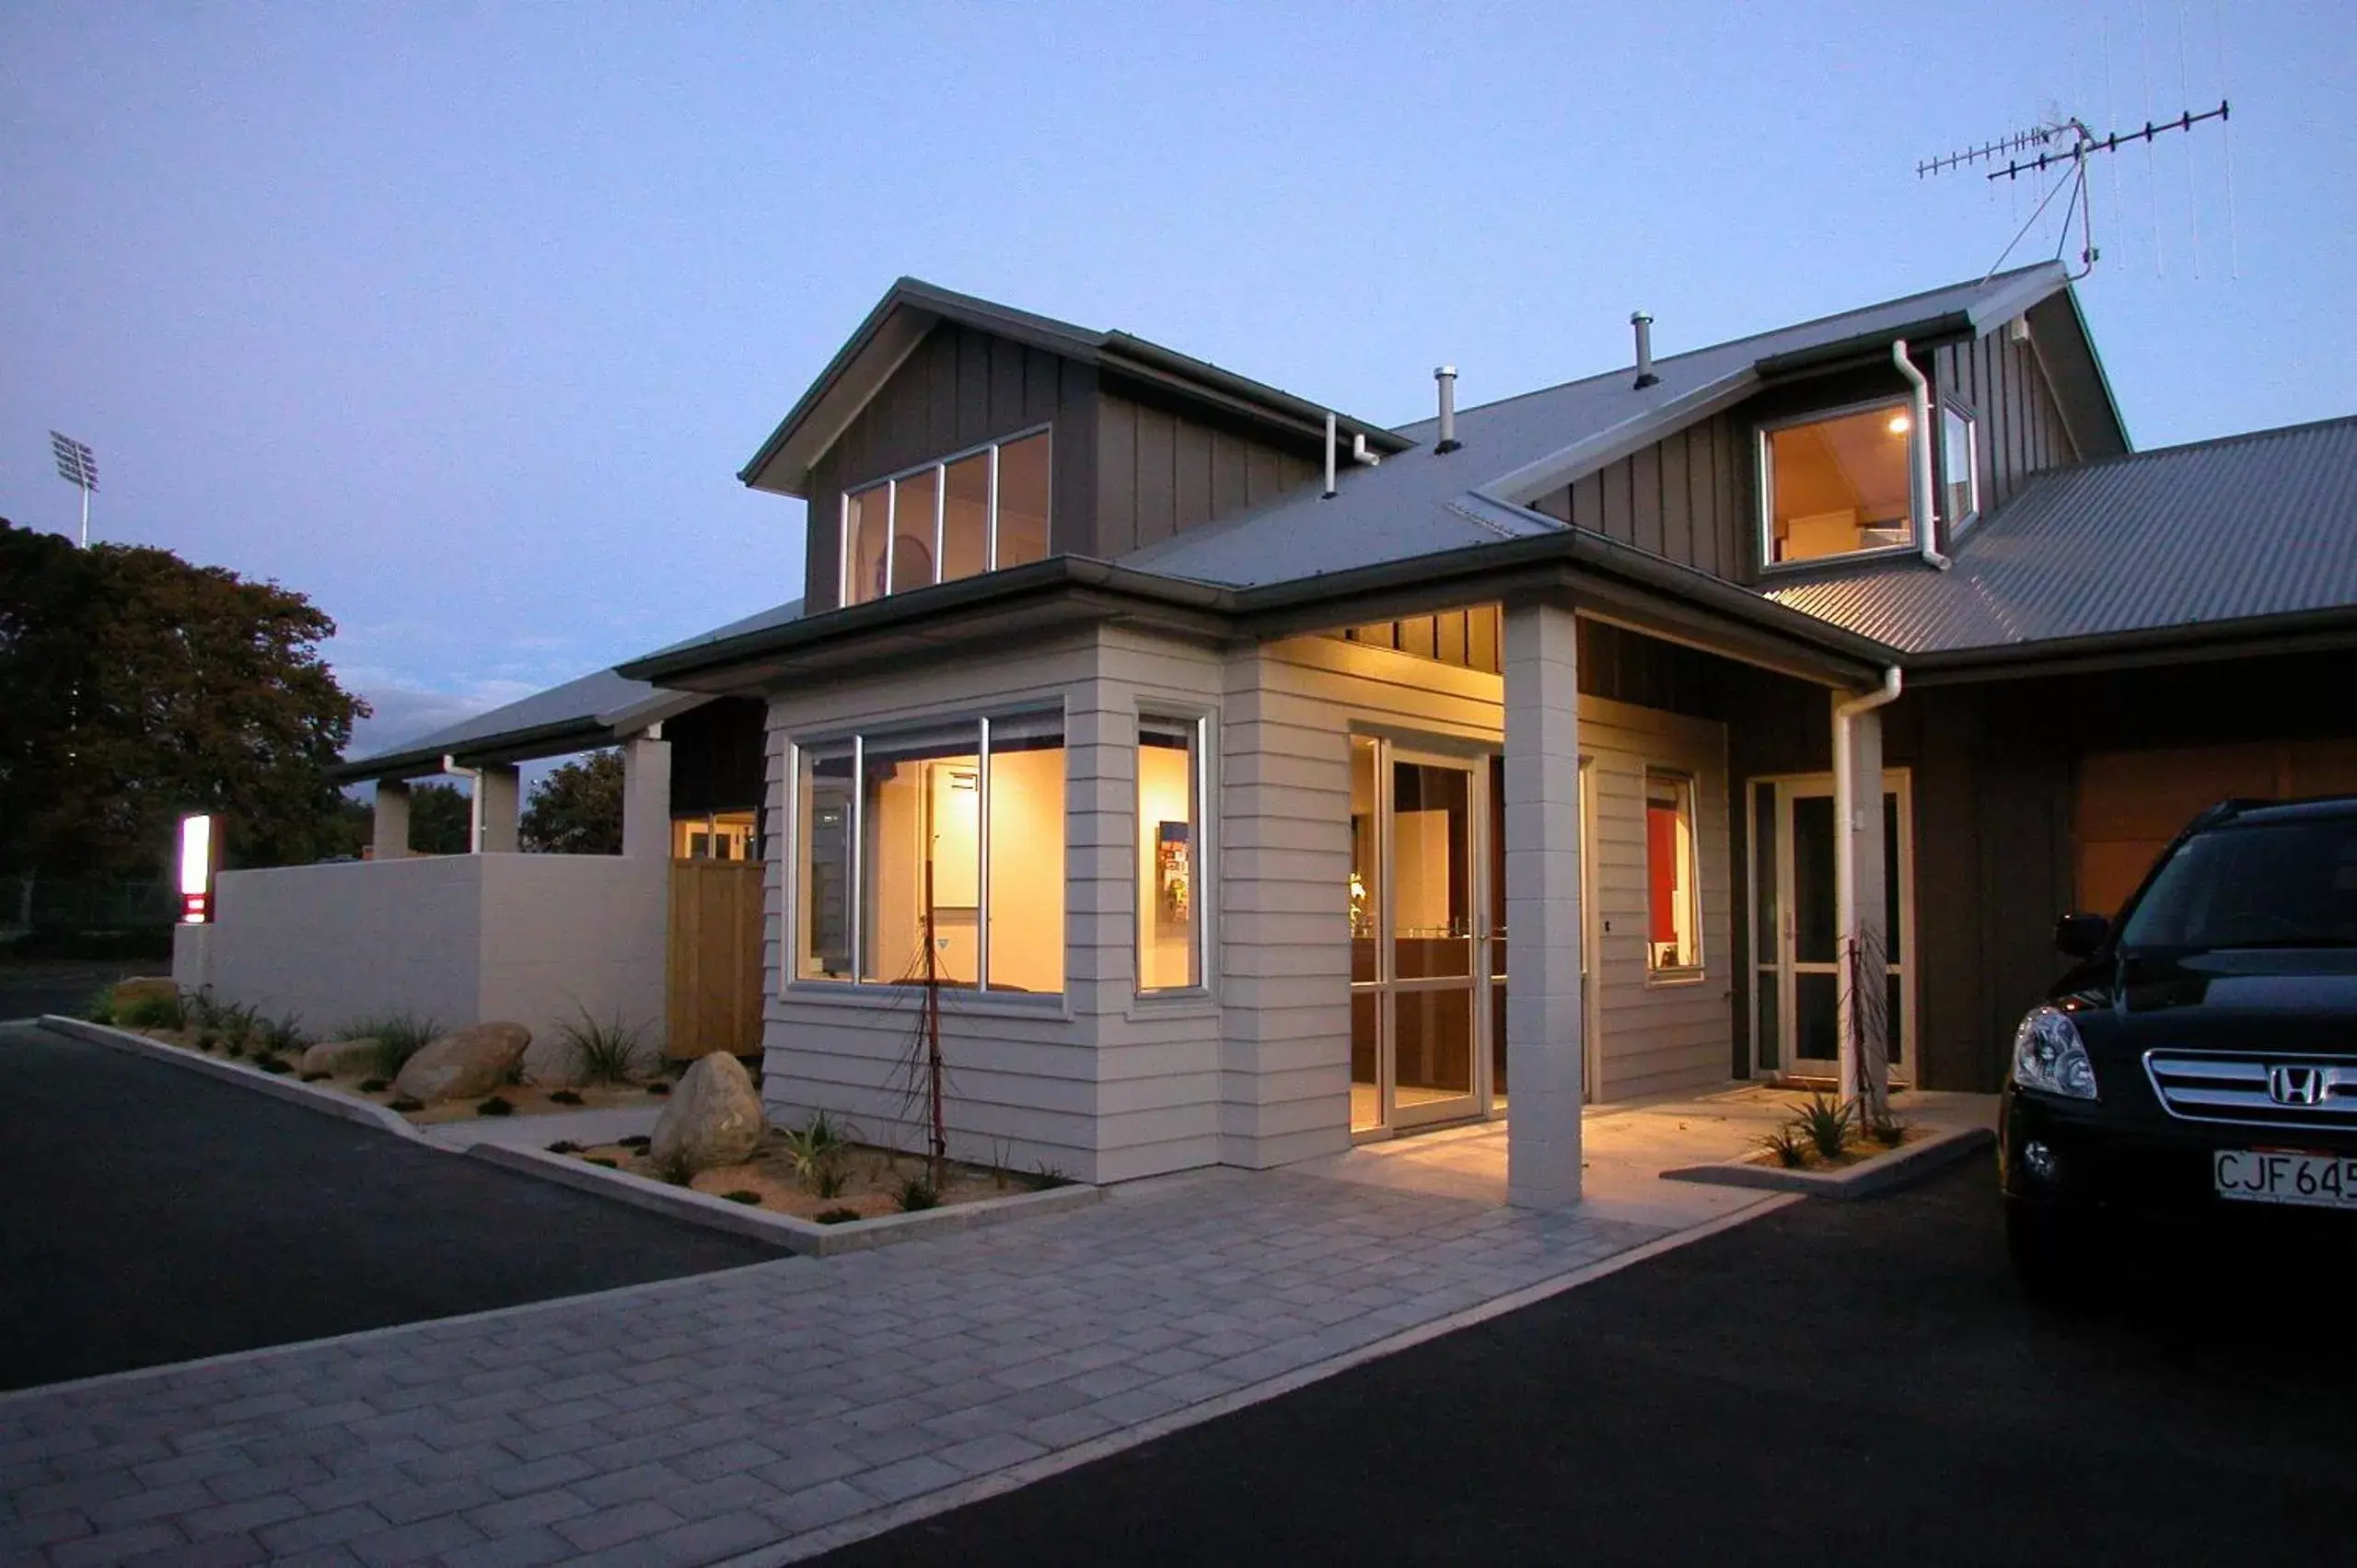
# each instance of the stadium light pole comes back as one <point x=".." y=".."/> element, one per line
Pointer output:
<point x="78" y="467"/>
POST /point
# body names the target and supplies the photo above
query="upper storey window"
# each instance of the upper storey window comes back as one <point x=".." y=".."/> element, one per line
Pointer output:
<point x="971" y="513"/>
<point x="1836" y="484"/>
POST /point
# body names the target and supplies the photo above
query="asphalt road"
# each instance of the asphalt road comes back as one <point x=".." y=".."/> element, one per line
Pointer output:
<point x="30" y="987"/>
<point x="1835" y="1383"/>
<point x="151" y="1215"/>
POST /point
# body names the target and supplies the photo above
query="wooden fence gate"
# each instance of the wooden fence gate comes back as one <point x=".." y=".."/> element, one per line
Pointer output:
<point x="714" y="980"/>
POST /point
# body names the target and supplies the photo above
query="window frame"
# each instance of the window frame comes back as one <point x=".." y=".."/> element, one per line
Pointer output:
<point x="1763" y="474"/>
<point x="792" y="878"/>
<point x="939" y="467"/>
<point x="1963" y="411"/>
<point x="1198" y="723"/>
<point x="1697" y="971"/>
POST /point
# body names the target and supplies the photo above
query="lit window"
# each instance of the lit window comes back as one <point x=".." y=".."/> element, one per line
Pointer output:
<point x="1169" y="856"/>
<point x="1960" y="468"/>
<point x="720" y="835"/>
<point x="956" y="875"/>
<point x="1837" y="486"/>
<point x="1673" y="907"/>
<point x="936" y="524"/>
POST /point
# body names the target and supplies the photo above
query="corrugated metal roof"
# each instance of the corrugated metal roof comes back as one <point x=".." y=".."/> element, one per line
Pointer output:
<point x="1523" y="446"/>
<point x="602" y="700"/>
<point x="2257" y="525"/>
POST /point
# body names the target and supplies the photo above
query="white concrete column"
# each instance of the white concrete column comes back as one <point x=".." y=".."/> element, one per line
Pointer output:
<point x="499" y="788"/>
<point x="1861" y="905"/>
<point x="391" y="834"/>
<point x="647" y="796"/>
<point x="1544" y="1053"/>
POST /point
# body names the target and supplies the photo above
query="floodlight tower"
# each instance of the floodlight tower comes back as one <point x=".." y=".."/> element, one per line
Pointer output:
<point x="78" y="467"/>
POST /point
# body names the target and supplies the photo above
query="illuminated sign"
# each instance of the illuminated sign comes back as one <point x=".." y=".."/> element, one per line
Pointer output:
<point x="197" y="845"/>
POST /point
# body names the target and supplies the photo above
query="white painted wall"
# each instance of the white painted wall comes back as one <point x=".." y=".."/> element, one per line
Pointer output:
<point x="457" y="938"/>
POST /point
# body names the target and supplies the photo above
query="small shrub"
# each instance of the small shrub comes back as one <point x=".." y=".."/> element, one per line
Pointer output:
<point x="315" y="1077"/>
<point x="272" y="1065"/>
<point x="609" y="1051"/>
<point x="818" y="1151"/>
<point x="658" y="1089"/>
<point x="1044" y="1176"/>
<point x="153" y="1013"/>
<point x="1886" y="1130"/>
<point x="917" y="1193"/>
<point x="835" y="1216"/>
<point x="1789" y="1147"/>
<point x="1827" y="1124"/>
<point x="1000" y="1173"/>
<point x="600" y="1159"/>
<point x="204" y="1008"/>
<point x="564" y="1146"/>
<point x="676" y="1170"/>
<point x="284" y="1036"/>
<point x="497" y="1106"/>
<point x="234" y="1050"/>
<point x="208" y="1041"/>
<point x="638" y="1142"/>
<point x="743" y="1195"/>
<point x="374" y="1085"/>
<point x="398" y="1037"/>
<point x="403" y="1102"/>
<point x="100" y="1007"/>
<point x="565" y="1097"/>
<point x="830" y="1182"/>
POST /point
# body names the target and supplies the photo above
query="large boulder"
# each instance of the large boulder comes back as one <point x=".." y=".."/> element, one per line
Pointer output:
<point x="143" y="988"/>
<point x="714" y="1117"/>
<point x="341" y="1058"/>
<point x="465" y="1065"/>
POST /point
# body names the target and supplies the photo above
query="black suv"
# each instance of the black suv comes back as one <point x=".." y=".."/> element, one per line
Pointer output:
<point x="2199" y="1062"/>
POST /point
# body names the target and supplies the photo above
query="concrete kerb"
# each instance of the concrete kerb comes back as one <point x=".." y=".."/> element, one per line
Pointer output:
<point x="1932" y="1152"/>
<point x="293" y="1090"/>
<point x="880" y="1520"/>
<point x="680" y="1203"/>
<point x="801" y="1236"/>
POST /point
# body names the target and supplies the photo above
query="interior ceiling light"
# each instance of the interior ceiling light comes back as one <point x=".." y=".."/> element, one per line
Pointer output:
<point x="1898" y="424"/>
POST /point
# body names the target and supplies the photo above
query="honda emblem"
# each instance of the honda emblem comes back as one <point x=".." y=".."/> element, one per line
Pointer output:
<point x="2295" y="1085"/>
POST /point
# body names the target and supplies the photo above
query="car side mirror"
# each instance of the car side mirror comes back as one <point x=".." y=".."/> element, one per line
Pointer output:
<point x="2078" y="936"/>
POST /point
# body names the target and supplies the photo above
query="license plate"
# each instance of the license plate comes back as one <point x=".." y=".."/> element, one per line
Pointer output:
<point x="2267" y="1176"/>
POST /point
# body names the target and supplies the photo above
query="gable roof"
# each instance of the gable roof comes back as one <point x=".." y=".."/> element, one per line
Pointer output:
<point x="911" y="307"/>
<point x="596" y="709"/>
<point x="2205" y="535"/>
<point x="1514" y="450"/>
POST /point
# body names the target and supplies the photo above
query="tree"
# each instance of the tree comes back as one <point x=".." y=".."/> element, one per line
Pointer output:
<point x="136" y="687"/>
<point x="441" y="820"/>
<point x="578" y="809"/>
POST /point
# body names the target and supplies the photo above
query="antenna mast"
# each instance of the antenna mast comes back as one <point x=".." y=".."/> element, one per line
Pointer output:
<point x="2064" y="142"/>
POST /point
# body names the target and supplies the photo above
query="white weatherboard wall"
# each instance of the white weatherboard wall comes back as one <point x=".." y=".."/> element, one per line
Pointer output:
<point x="535" y="938"/>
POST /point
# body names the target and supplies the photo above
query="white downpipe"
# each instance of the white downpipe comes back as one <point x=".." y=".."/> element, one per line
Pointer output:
<point x="474" y="800"/>
<point x="1330" y="440"/>
<point x="1848" y="823"/>
<point x="1919" y="457"/>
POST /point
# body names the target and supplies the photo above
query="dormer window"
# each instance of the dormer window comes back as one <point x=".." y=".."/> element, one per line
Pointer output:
<point x="1836" y="484"/>
<point x="973" y="512"/>
<point x="1959" y="470"/>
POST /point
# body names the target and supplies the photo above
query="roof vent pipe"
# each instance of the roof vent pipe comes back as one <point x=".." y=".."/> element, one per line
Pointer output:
<point x="1446" y="376"/>
<point x="1644" y="325"/>
<point x="1330" y="440"/>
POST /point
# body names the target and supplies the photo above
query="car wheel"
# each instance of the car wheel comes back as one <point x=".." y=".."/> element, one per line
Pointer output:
<point x="2048" y="1255"/>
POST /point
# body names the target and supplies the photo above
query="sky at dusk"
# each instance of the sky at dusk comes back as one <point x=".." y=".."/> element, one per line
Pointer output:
<point x="461" y="318"/>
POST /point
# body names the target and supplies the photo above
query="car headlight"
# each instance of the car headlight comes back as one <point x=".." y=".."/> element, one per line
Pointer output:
<point x="2049" y="1056"/>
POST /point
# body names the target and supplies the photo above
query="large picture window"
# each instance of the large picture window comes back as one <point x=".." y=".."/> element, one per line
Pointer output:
<point x="1170" y="923"/>
<point x="969" y="513"/>
<point x="934" y="854"/>
<point x="1837" y="485"/>
<point x="1673" y="904"/>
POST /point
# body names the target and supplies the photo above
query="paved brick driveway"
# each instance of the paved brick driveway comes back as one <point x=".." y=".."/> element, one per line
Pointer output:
<point x="692" y="1420"/>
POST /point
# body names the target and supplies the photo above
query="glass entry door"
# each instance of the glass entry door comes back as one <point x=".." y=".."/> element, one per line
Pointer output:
<point x="1796" y="971"/>
<point x="1422" y="966"/>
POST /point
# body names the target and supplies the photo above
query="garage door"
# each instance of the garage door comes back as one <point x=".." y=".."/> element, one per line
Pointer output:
<point x="2130" y="804"/>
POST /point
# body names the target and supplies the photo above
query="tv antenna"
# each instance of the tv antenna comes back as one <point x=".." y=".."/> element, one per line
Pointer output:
<point x="2063" y="142"/>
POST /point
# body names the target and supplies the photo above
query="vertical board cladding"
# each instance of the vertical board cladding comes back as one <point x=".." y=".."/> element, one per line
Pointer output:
<point x="1160" y="472"/>
<point x="2020" y="426"/>
<point x="1022" y="1070"/>
<point x="959" y="387"/>
<point x="1291" y="710"/>
<point x="1677" y="499"/>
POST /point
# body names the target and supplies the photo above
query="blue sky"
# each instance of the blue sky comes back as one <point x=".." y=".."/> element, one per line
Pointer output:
<point x="461" y="318"/>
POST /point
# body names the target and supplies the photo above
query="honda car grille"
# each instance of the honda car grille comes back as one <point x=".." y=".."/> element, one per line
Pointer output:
<point x="2301" y="1092"/>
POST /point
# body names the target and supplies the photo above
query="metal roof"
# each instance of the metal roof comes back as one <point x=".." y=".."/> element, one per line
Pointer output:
<point x="592" y="710"/>
<point x="2248" y="526"/>
<point x="1520" y="448"/>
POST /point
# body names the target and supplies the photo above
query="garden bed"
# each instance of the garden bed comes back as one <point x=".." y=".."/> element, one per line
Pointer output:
<point x="874" y="1181"/>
